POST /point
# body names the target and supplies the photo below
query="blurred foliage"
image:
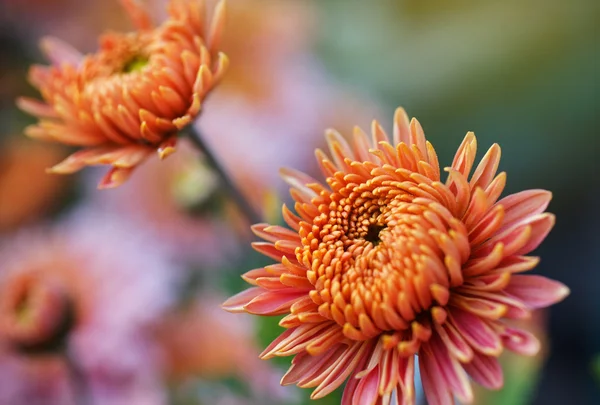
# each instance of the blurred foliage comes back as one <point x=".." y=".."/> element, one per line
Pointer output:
<point x="521" y="375"/>
<point x="596" y="368"/>
<point x="523" y="73"/>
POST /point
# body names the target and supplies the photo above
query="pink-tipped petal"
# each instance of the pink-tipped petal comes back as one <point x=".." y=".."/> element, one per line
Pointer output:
<point x="59" y="52"/>
<point x="476" y="331"/>
<point x="237" y="302"/>
<point x="366" y="390"/>
<point x="36" y="108"/>
<point x="520" y="341"/>
<point x="436" y="389"/>
<point x="537" y="291"/>
<point x="343" y="368"/>
<point x="540" y="227"/>
<point x="486" y="170"/>
<point x="138" y="15"/>
<point x="273" y="302"/>
<point x="521" y="205"/>
<point x="217" y="25"/>
<point x="465" y="155"/>
<point x="299" y="181"/>
<point x="486" y="371"/>
<point x="115" y="177"/>
<point x="451" y="370"/>
<point x="401" y="127"/>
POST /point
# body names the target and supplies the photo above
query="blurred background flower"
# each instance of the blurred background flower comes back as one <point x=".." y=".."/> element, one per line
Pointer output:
<point x="115" y="295"/>
<point x="524" y="74"/>
<point x="133" y="95"/>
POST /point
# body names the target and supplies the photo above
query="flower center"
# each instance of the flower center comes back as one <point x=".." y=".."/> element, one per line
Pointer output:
<point x="135" y="63"/>
<point x="120" y="54"/>
<point x="23" y="311"/>
<point x="373" y="233"/>
<point x="381" y="257"/>
<point x="35" y="313"/>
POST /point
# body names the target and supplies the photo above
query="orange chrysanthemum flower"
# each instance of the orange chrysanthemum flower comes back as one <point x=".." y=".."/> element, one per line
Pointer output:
<point x="131" y="97"/>
<point x="389" y="262"/>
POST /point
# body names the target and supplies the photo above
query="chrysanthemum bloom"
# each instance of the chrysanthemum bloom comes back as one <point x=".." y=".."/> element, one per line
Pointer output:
<point x="134" y="95"/>
<point x="388" y="262"/>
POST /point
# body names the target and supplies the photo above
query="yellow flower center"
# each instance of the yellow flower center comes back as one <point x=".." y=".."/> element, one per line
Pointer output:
<point x="135" y="63"/>
<point x="380" y="257"/>
<point x="35" y="313"/>
<point x="120" y="54"/>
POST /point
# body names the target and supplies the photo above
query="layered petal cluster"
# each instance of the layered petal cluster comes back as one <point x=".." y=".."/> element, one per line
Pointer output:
<point x="134" y="95"/>
<point x="387" y="265"/>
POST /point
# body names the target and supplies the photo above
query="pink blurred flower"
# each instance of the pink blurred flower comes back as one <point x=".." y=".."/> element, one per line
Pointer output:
<point x="119" y="283"/>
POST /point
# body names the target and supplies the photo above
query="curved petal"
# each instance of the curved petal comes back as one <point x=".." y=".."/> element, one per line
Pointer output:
<point x="519" y="206"/>
<point x="520" y="341"/>
<point x="236" y="303"/>
<point x="537" y="291"/>
<point x="486" y="371"/>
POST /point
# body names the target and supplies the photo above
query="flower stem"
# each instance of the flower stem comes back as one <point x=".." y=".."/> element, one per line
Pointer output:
<point x="230" y="188"/>
<point x="79" y="384"/>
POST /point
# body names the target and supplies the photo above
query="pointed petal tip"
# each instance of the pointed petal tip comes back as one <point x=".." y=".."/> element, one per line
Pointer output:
<point x="114" y="178"/>
<point x="237" y="303"/>
<point x="537" y="291"/>
<point x="61" y="168"/>
<point x="108" y="182"/>
<point x="59" y="52"/>
<point x="562" y="293"/>
<point x="24" y="103"/>
<point x="222" y="63"/>
<point x="163" y="153"/>
<point x="54" y="170"/>
<point x="217" y="25"/>
<point x="233" y="306"/>
<point x="222" y="6"/>
<point x="259" y="227"/>
<point x="400" y="113"/>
